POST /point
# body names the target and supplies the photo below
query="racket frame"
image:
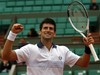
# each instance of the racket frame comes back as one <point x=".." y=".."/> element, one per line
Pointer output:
<point x="87" y="28"/>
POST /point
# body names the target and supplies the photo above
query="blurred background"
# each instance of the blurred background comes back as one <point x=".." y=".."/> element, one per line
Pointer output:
<point x="30" y="13"/>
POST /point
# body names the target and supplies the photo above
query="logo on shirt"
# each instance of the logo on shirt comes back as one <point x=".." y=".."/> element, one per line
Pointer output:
<point x="60" y="58"/>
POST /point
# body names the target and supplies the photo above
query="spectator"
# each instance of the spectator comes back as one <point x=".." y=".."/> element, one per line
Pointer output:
<point x="94" y="6"/>
<point x="22" y="42"/>
<point x="32" y="33"/>
<point x="0" y="65"/>
<point x="5" y="66"/>
<point x="94" y="25"/>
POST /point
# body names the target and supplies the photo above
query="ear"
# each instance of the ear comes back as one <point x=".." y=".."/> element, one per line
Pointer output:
<point x="55" y="35"/>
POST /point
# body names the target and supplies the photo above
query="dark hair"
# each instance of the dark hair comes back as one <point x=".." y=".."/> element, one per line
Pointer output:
<point x="50" y="21"/>
<point x="32" y="33"/>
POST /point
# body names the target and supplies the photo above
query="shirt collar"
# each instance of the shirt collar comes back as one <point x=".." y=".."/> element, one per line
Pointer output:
<point x="40" y="45"/>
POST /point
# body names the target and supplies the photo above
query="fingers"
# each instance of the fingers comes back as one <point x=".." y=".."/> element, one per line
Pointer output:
<point x="17" y="28"/>
<point x="88" y="40"/>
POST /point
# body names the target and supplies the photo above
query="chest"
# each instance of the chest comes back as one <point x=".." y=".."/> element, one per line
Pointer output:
<point x="45" y="58"/>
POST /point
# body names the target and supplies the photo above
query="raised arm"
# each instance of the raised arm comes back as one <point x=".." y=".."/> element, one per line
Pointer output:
<point x="85" y="58"/>
<point x="8" y="53"/>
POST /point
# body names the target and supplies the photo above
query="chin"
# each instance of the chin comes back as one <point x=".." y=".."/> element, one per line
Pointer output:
<point x="48" y="38"/>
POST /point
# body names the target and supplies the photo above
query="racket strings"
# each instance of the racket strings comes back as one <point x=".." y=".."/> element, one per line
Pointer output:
<point x="78" y="16"/>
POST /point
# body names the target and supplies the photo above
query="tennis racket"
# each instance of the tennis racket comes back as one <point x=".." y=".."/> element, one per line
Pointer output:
<point x="78" y="18"/>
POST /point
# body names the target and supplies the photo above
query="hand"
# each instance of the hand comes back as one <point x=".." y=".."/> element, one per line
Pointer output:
<point x="17" y="28"/>
<point x="88" y="40"/>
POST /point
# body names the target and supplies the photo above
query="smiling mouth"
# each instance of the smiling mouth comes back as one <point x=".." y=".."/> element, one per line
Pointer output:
<point x="48" y="34"/>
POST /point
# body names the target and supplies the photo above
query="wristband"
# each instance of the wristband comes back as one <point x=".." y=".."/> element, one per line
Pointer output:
<point x="87" y="50"/>
<point x="11" y="36"/>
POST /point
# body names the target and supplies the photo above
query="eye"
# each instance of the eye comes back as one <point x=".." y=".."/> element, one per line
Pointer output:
<point x="51" y="28"/>
<point x="45" y="28"/>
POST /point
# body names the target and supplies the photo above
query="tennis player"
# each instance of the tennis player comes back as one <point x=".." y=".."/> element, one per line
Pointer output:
<point x="45" y="57"/>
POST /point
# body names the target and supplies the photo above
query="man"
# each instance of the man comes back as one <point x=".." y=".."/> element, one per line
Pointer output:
<point x="32" y="33"/>
<point x="45" y="58"/>
<point x="22" y="42"/>
<point x="94" y="5"/>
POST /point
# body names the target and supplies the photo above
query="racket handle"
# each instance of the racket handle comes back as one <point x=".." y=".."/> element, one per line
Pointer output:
<point x="93" y="52"/>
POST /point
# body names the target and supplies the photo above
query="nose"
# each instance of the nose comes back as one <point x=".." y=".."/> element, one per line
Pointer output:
<point x="48" y="29"/>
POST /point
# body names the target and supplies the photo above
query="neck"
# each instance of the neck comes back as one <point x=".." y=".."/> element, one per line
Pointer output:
<point x="47" y="43"/>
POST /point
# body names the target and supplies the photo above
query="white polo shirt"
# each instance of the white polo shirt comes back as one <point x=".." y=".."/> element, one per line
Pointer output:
<point x="41" y="61"/>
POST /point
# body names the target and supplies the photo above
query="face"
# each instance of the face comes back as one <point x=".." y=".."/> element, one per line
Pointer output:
<point x="47" y="31"/>
<point x="22" y="40"/>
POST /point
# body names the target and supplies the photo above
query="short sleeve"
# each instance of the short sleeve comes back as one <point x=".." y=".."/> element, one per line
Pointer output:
<point x="70" y="58"/>
<point x="22" y="54"/>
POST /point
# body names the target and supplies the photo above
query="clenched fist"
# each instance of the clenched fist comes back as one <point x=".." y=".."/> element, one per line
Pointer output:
<point x="17" y="28"/>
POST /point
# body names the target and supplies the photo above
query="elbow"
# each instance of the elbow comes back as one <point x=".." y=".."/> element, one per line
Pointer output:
<point x="85" y="66"/>
<point x="82" y="63"/>
<point x="4" y="56"/>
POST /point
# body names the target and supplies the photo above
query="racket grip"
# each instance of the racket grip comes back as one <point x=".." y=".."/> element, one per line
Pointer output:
<point x="93" y="52"/>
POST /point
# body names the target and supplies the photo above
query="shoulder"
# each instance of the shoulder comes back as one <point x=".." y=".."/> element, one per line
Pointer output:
<point x="29" y="47"/>
<point x="26" y="48"/>
<point x="62" y="48"/>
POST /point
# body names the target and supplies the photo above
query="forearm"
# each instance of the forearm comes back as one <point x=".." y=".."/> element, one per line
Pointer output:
<point x="7" y="49"/>
<point x="85" y="58"/>
<point x="8" y="45"/>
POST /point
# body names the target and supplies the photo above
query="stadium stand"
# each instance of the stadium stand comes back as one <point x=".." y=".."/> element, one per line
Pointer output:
<point x="80" y="72"/>
<point x="31" y="12"/>
<point x="94" y="72"/>
<point x="68" y="72"/>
